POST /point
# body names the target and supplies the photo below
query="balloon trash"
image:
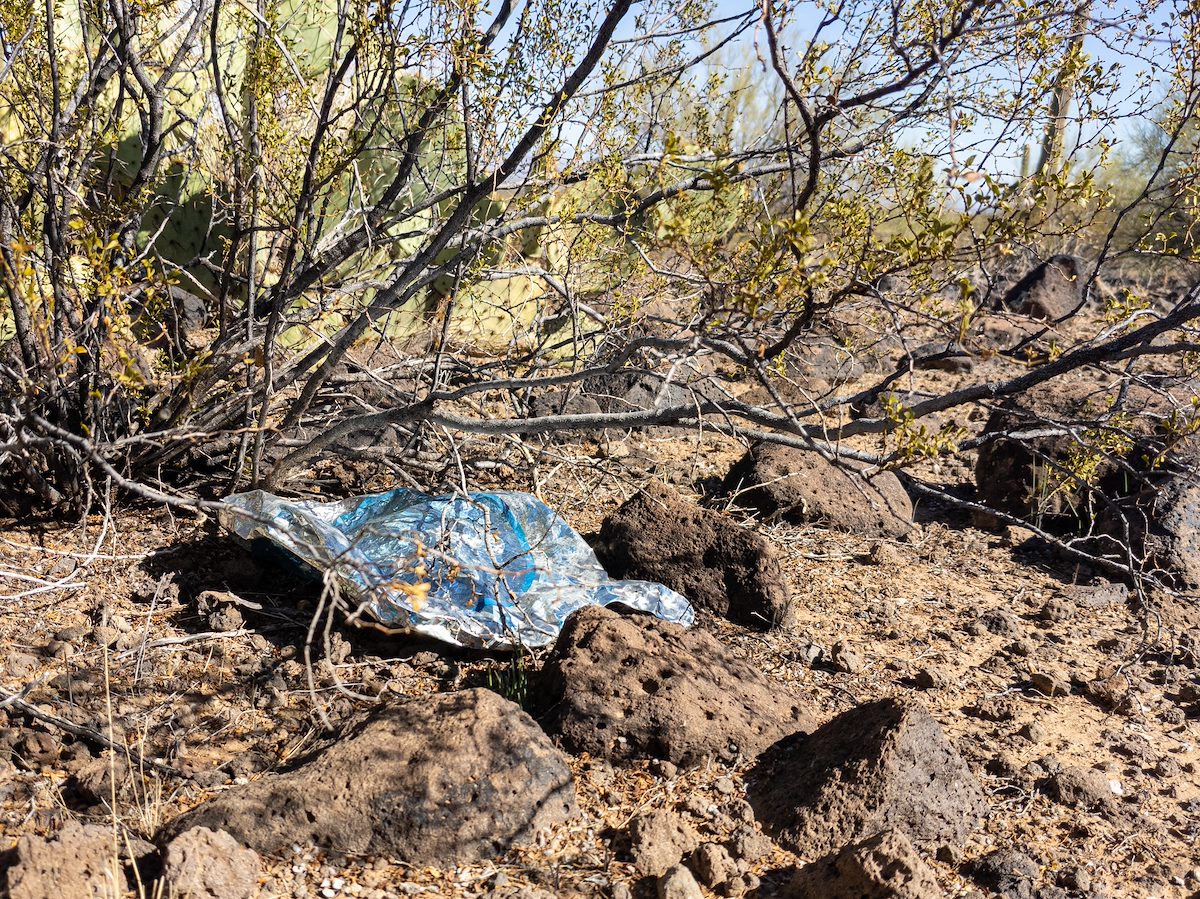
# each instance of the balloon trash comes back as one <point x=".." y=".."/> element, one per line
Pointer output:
<point x="482" y="569"/>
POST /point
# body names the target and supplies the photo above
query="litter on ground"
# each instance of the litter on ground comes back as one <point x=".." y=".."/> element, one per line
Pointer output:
<point x="497" y="570"/>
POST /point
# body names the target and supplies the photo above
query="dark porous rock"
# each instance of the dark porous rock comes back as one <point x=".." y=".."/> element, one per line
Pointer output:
<point x="1053" y="291"/>
<point x="1006" y="872"/>
<point x="96" y="781"/>
<point x="1000" y="621"/>
<point x="1056" y="611"/>
<point x="560" y="402"/>
<point x="678" y="883"/>
<point x="19" y="664"/>
<point x="1111" y="691"/>
<point x="207" y="864"/>
<point x="747" y="845"/>
<point x="718" y="565"/>
<point x="943" y="355"/>
<point x="877" y="405"/>
<point x="638" y="687"/>
<point x="35" y="749"/>
<point x="797" y="392"/>
<point x="631" y="390"/>
<point x="714" y="866"/>
<point x="1049" y="683"/>
<point x="1099" y="595"/>
<point x="931" y="677"/>
<point x="1187" y="650"/>
<point x="993" y="708"/>
<point x="1162" y="520"/>
<point x="844" y="658"/>
<point x="80" y="861"/>
<point x="827" y="360"/>
<point x="658" y="840"/>
<point x="885" y="866"/>
<point x="226" y="619"/>
<point x="1139" y="474"/>
<point x="885" y="764"/>
<point x="804" y="487"/>
<point x="1020" y="336"/>
<point x="1025" y="475"/>
<point x="443" y="779"/>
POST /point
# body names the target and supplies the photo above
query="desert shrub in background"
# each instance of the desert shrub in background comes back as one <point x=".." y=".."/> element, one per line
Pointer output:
<point x="219" y="222"/>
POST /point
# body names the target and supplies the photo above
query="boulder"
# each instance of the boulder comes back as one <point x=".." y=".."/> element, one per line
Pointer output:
<point x="630" y="390"/>
<point x="805" y="488"/>
<point x="1031" y="476"/>
<point x="885" y="764"/>
<point x="885" y="866"/>
<point x="1113" y="459"/>
<point x="876" y="406"/>
<point x="560" y="402"/>
<point x="1161" y="520"/>
<point x="1053" y="291"/>
<point x="637" y="687"/>
<point x="718" y="565"/>
<point x="442" y="779"/>
<point x="81" y="861"/>
<point x="210" y="864"/>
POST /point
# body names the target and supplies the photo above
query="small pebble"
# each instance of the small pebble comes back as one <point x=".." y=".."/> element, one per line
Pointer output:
<point x="1033" y="732"/>
<point x="1049" y="685"/>
<point x="845" y="659"/>
<point x="664" y="769"/>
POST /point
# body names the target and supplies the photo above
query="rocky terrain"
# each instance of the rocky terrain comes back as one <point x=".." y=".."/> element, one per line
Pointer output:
<point x="879" y="699"/>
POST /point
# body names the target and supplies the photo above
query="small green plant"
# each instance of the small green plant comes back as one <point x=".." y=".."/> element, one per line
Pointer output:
<point x="1178" y="427"/>
<point x="1085" y="464"/>
<point x="915" y="441"/>
<point x="513" y="679"/>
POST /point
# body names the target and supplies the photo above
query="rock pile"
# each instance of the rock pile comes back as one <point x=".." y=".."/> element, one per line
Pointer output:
<point x="467" y="775"/>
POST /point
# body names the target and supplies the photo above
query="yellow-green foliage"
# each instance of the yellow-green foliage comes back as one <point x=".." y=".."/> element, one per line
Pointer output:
<point x="911" y="440"/>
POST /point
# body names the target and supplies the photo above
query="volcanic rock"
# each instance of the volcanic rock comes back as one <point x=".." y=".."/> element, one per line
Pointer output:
<point x="885" y="764"/>
<point x="885" y="866"/>
<point x="207" y="864"/>
<point x="1052" y="291"/>
<point x="805" y="488"/>
<point x="718" y="565"/>
<point x="443" y="779"/>
<point x="638" y="687"/>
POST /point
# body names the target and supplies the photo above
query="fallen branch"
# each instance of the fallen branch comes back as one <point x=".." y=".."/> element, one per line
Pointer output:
<point x="89" y="735"/>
